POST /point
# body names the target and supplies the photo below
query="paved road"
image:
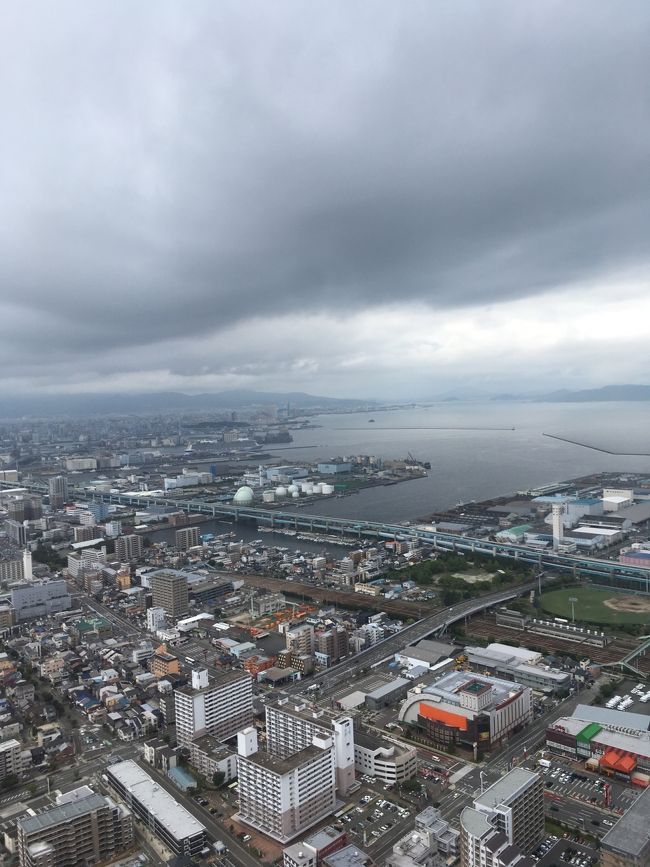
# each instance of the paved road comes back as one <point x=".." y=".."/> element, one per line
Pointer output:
<point x="385" y="649"/>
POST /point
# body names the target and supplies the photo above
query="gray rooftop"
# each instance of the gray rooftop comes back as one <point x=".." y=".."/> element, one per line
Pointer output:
<point x="388" y="688"/>
<point x="475" y="823"/>
<point x="156" y="800"/>
<point x="610" y="717"/>
<point x="283" y="766"/>
<point x="631" y="834"/>
<point x="504" y="789"/>
<point x="62" y="814"/>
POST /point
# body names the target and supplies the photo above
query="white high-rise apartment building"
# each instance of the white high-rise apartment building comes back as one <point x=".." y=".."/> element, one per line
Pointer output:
<point x="220" y="708"/>
<point x="292" y="727"/>
<point x="284" y="797"/>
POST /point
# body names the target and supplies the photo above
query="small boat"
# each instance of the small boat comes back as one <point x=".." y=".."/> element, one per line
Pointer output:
<point x="371" y="421"/>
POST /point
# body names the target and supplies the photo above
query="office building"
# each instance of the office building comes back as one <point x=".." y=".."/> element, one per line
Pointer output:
<point x="187" y="537"/>
<point x="627" y="843"/>
<point x="292" y="726"/>
<point x="471" y="711"/>
<point x="283" y="797"/>
<point x="170" y="592"/>
<point x="40" y="599"/>
<point x="57" y="488"/>
<point x="10" y="762"/>
<point x="84" y="533"/>
<point x="507" y="820"/>
<point x="83" y="828"/>
<point x="220" y="708"/>
<point x="157" y="809"/>
<point x="128" y="548"/>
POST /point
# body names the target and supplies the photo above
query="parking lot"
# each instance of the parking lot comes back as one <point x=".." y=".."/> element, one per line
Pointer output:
<point x="375" y="816"/>
<point x="584" y="786"/>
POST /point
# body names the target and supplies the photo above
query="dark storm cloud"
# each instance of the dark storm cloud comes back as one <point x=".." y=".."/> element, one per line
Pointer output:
<point x="166" y="176"/>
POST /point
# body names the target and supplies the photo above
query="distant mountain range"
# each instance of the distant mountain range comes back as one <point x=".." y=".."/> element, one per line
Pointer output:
<point x="606" y="393"/>
<point x="163" y="402"/>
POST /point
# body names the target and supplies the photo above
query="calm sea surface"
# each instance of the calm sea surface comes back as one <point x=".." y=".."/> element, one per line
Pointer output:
<point x="480" y="463"/>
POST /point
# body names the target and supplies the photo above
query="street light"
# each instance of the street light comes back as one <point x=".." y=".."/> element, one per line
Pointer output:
<point x="573" y="600"/>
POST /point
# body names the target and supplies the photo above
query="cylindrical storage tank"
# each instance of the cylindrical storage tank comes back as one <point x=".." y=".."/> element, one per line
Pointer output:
<point x="280" y="491"/>
<point x="268" y="496"/>
<point x="296" y="495"/>
<point x="317" y="489"/>
<point x="304" y="486"/>
<point x="327" y="489"/>
<point x="308" y="489"/>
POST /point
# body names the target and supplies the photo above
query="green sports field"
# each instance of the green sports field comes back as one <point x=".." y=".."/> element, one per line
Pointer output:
<point x="590" y="607"/>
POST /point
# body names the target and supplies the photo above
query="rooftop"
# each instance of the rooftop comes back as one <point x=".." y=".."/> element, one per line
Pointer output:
<point x="220" y="679"/>
<point x="156" y="800"/>
<point x="630" y="834"/>
<point x="507" y="787"/>
<point x="611" y="717"/>
<point x="283" y="766"/>
<point x="62" y="814"/>
<point x="449" y="685"/>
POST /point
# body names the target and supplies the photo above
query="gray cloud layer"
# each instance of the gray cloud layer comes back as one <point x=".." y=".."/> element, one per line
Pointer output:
<point x="168" y="174"/>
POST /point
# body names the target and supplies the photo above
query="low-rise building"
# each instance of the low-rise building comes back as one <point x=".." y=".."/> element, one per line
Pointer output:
<point x="157" y="809"/>
<point x="627" y="844"/>
<point x="390" y="761"/>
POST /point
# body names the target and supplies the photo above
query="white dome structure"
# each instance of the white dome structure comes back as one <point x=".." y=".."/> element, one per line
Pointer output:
<point x="244" y="496"/>
<point x="296" y="495"/>
<point x="292" y="489"/>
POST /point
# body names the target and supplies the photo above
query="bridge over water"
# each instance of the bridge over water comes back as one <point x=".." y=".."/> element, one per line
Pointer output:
<point x="608" y="572"/>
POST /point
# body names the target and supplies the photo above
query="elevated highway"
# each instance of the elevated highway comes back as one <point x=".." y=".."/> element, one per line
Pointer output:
<point x="633" y="578"/>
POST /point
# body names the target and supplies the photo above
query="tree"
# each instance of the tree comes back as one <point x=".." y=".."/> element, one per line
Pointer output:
<point x="411" y="786"/>
<point x="218" y="778"/>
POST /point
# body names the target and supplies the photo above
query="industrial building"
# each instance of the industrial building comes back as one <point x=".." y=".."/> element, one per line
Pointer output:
<point x="473" y="711"/>
<point x="83" y="828"/>
<point x="220" y="707"/>
<point x="154" y="806"/>
<point x="505" y="823"/>
<point x="282" y="797"/>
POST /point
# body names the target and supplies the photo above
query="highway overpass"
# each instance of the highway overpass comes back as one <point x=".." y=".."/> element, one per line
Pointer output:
<point x="633" y="578"/>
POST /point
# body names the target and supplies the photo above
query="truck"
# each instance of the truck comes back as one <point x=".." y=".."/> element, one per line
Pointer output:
<point x="544" y="763"/>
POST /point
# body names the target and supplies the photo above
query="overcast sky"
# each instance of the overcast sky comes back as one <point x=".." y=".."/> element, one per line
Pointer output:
<point x="379" y="199"/>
